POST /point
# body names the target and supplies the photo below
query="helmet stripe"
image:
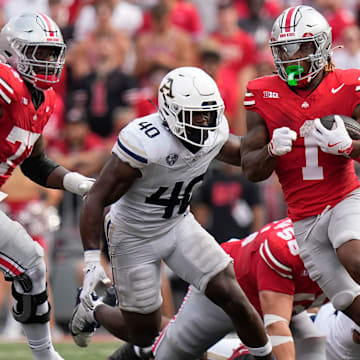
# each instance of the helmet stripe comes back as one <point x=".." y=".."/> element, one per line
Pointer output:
<point x="50" y="29"/>
<point x="290" y="19"/>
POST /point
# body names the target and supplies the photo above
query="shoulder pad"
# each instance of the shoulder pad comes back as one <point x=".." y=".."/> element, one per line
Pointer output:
<point x="256" y="87"/>
<point x="279" y="248"/>
<point x="10" y="80"/>
<point x="140" y="142"/>
<point x="348" y="76"/>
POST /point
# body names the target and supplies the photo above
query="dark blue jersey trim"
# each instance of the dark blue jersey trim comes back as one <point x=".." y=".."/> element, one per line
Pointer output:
<point x="129" y="152"/>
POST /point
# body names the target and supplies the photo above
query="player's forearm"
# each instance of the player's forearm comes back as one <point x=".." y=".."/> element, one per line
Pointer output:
<point x="258" y="165"/>
<point x="230" y="152"/>
<point x="56" y="178"/>
<point x="91" y="222"/>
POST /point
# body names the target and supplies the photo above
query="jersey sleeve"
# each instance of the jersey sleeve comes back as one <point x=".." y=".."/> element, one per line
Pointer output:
<point x="272" y="256"/>
<point x="8" y="81"/>
<point x="348" y="90"/>
<point x="279" y="258"/>
<point x="130" y="148"/>
<point x="271" y="280"/>
<point x="252" y="99"/>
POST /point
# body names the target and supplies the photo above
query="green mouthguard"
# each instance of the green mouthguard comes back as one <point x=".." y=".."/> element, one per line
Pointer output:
<point x="292" y="71"/>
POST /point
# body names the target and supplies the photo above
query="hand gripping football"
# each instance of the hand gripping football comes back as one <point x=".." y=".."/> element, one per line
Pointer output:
<point x="351" y="125"/>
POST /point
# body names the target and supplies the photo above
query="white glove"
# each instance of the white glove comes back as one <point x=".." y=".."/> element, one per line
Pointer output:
<point x="94" y="273"/>
<point x="77" y="183"/>
<point x="336" y="141"/>
<point x="281" y="142"/>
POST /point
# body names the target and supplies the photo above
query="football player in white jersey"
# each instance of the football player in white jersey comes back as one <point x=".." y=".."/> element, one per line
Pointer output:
<point x="342" y="334"/>
<point x="154" y="166"/>
<point x="32" y="53"/>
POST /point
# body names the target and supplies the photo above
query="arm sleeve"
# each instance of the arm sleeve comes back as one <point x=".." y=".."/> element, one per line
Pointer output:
<point x="38" y="168"/>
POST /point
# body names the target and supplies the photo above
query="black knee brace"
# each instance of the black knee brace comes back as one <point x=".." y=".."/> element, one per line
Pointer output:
<point x="25" y="309"/>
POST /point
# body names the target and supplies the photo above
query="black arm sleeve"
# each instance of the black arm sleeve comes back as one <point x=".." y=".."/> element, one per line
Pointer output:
<point x="38" y="168"/>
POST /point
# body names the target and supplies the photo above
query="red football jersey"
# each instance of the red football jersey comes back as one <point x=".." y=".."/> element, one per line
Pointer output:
<point x="310" y="178"/>
<point x="21" y="123"/>
<point x="269" y="260"/>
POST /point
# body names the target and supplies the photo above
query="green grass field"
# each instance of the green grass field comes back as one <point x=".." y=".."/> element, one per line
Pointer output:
<point x="68" y="350"/>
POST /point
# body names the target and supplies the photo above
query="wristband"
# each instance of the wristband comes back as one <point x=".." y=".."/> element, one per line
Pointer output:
<point x="91" y="256"/>
<point x="73" y="182"/>
<point x="261" y="351"/>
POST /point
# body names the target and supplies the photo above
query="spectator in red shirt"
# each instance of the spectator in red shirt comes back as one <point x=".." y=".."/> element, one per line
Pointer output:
<point x="164" y="44"/>
<point x="238" y="52"/>
<point x="79" y="149"/>
<point x="183" y="14"/>
<point x="337" y="16"/>
<point x="238" y="49"/>
<point x="258" y="22"/>
<point x="270" y="8"/>
<point x="211" y="62"/>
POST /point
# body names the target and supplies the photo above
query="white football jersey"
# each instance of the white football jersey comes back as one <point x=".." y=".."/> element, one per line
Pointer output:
<point x="338" y="329"/>
<point x="158" y="199"/>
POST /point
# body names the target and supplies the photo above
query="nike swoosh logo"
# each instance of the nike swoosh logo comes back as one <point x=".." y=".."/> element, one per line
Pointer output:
<point x="334" y="91"/>
<point x="332" y="145"/>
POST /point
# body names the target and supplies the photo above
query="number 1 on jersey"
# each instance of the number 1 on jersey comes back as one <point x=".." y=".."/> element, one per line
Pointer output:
<point x="312" y="170"/>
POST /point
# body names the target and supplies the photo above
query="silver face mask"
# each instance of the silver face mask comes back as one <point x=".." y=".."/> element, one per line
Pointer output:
<point x="295" y="28"/>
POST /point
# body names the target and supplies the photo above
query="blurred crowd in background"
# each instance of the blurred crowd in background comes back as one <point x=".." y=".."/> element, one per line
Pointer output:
<point x="117" y="53"/>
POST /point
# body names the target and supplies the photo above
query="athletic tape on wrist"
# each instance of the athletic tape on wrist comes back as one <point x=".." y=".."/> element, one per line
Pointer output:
<point x="72" y="182"/>
<point x="92" y="256"/>
<point x="261" y="351"/>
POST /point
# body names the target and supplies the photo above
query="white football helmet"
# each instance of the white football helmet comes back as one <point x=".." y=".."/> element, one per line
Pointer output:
<point x="185" y="91"/>
<point x="295" y="28"/>
<point x="32" y="43"/>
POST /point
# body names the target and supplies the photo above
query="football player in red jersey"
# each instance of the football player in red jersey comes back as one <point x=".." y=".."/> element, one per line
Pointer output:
<point x="32" y="51"/>
<point x="314" y="165"/>
<point x="273" y="277"/>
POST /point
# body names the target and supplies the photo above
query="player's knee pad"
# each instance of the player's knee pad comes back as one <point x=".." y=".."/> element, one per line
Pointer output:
<point x="26" y="309"/>
<point x="30" y="294"/>
<point x="344" y="299"/>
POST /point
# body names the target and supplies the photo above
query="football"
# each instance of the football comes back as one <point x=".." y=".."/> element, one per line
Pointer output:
<point x="351" y="125"/>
